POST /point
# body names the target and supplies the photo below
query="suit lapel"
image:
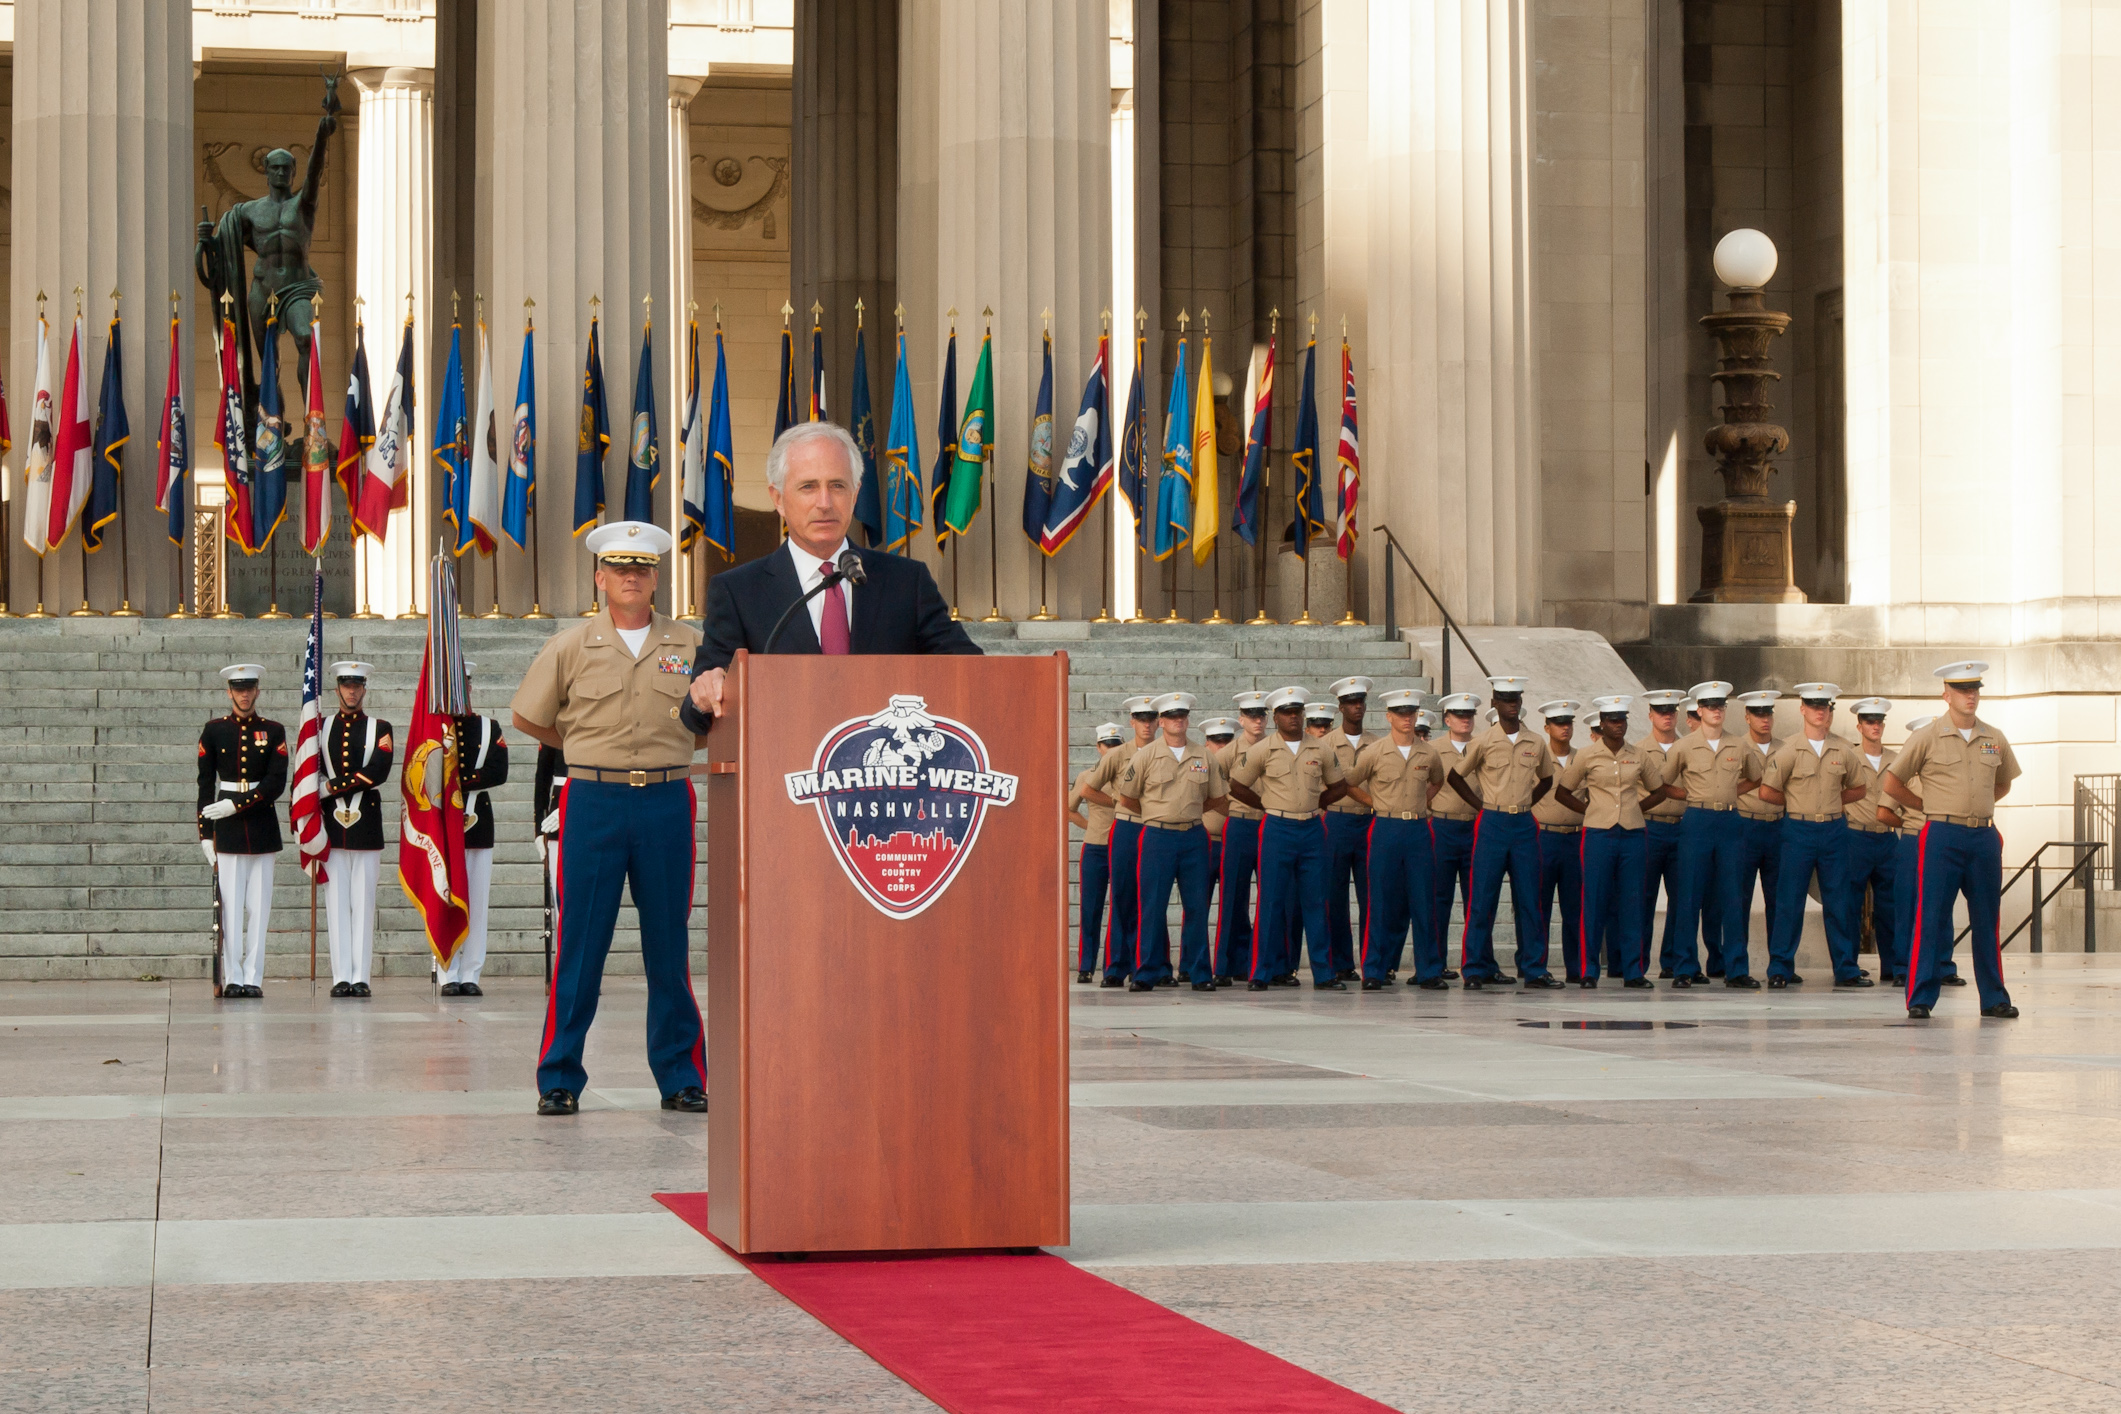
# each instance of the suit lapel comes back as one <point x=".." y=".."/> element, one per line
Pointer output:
<point x="801" y="635"/>
<point x="868" y="612"/>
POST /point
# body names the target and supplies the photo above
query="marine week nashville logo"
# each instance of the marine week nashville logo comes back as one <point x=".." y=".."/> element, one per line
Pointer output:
<point x="901" y="795"/>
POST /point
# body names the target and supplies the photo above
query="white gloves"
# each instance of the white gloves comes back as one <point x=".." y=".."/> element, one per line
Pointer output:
<point x="550" y="825"/>
<point x="206" y="847"/>
<point x="218" y="810"/>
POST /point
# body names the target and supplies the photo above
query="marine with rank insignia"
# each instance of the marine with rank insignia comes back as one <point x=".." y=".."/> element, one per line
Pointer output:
<point x="1125" y="848"/>
<point x="1094" y="874"/>
<point x="357" y="755"/>
<point x="1607" y="784"/>
<point x="482" y="757"/>
<point x="1561" y="845"/>
<point x="1504" y="772"/>
<point x="1347" y="833"/>
<point x="1660" y="824"/>
<point x="1709" y="772"/>
<point x="1216" y="733"/>
<point x="1815" y="776"/>
<point x="1396" y="776"/>
<point x="1289" y="776"/>
<point x="1239" y="864"/>
<point x="1907" y="821"/>
<point x="1870" y="839"/>
<point x="1452" y="817"/>
<point x="242" y="773"/>
<point x="1759" y="828"/>
<point x="1170" y="784"/>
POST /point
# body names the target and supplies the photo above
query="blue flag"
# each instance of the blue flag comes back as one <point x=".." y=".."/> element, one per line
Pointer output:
<point x="1086" y="471"/>
<point x="1309" y="518"/>
<point x="945" y="443"/>
<point x="784" y="410"/>
<point x="268" y="494"/>
<point x="1133" y="453"/>
<point x="1257" y="440"/>
<point x="1038" y="472"/>
<point x="112" y="432"/>
<point x="719" y="525"/>
<point x="1174" y="489"/>
<point x="519" y="493"/>
<point x="593" y="440"/>
<point x="861" y="422"/>
<point x="644" y="453"/>
<point x="173" y="445"/>
<point x="453" y="445"/>
<point x="817" y="373"/>
<point x="902" y="457"/>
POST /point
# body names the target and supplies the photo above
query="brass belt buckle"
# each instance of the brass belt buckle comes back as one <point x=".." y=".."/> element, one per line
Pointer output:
<point x="637" y="778"/>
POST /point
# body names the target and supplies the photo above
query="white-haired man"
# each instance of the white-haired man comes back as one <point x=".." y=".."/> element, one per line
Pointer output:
<point x="894" y="607"/>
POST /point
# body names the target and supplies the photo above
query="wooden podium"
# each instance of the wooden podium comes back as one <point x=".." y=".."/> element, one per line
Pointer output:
<point x="886" y="1000"/>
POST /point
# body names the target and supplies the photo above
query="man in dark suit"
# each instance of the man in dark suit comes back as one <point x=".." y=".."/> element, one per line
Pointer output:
<point x="812" y="473"/>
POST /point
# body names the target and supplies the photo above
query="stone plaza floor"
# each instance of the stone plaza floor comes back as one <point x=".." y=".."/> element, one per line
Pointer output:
<point x="1570" y="1200"/>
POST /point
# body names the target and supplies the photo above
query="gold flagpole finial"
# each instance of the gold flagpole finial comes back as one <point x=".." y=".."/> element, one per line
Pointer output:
<point x="1141" y="320"/>
<point x="115" y="297"/>
<point x="272" y="305"/>
<point x="717" y="316"/>
<point x="1344" y="328"/>
<point x="899" y="313"/>
<point x="1183" y="320"/>
<point x="77" y="300"/>
<point x="857" y="311"/>
<point x="1314" y="324"/>
<point x="817" y="313"/>
<point x="408" y="306"/>
<point x="359" y="304"/>
<point x="595" y="304"/>
<point x="1104" y="320"/>
<point x="41" y="297"/>
<point x="692" y="307"/>
<point x="1274" y="321"/>
<point x="1204" y="321"/>
<point x="647" y="311"/>
<point x="478" y="307"/>
<point x="1046" y="315"/>
<point x="174" y="301"/>
<point x="952" y="313"/>
<point x="787" y="310"/>
<point x="988" y="315"/>
<point x="455" y="306"/>
<point x="528" y="305"/>
<point x="227" y="300"/>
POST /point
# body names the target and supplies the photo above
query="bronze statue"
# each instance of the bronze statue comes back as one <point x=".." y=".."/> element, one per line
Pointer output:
<point x="279" y="227"/>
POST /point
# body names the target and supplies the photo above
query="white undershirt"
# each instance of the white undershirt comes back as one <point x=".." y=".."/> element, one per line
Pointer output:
<point x="1512" y="737"/>
<point x="633" y="638"/>
<point x="1460" y="746"/>
<point x="1966" y="734"/>
<point x="1875" y="761"/>
<point x="1561" y="760"/>
<point x="1666" y="746"/>
<point x="1715" y="743"/>
<point x="809" y="569"/>
<point x="1178" y="753"/>
<point x="1354" y="739"/>
<point x="1818" y="747"/>
<point x="1294" y="746"/>
<point x="1406" y="753"/>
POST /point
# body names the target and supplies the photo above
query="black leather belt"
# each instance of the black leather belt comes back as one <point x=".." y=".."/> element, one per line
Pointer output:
<point x="652" y="777"/>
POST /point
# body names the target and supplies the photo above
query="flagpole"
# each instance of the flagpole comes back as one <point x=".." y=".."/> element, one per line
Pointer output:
<point x="1104" y="573"/>
<point x="125" y="609"/>
<point x="537" y="610"/>
<point x="1347" y="617"/>
<point x="7" y="574"/>
<point x="1263" y="514"/>
<point x="994" y="505"/>
<point x="312" y="937"/>
<point x="176" y="304"/>
<point x="412" y="526"/>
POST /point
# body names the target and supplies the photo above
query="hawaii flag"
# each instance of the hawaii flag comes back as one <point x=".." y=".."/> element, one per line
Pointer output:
<point x="71" y="461"/>
<point x="316" y="452"/>
<point x="305" y="810"/>
<point x="172" y="444"/>
<point x="431" y="828"/>
<point x="386" y="473"/>
<point x="37" y="467"/>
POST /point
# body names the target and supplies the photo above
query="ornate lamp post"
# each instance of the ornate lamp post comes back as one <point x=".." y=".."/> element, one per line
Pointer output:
<point x="1745" y="537"/>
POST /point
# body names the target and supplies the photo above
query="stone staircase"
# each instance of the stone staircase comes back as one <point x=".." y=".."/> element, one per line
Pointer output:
<point x="99" y="719"/>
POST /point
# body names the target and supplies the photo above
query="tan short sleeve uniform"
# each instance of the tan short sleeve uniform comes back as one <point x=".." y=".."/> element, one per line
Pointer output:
<point x="1398" y="784"/>
<point x="1288" y="782"/>
<point x="1506" y="773"/>
<point x="1812" y="780"/>
<point x="1750" y="804"/>
<point x="1548" y="809"/>
<point x="1449" y="804"/>
<point x="1104" y="778"/>
<point x="1662" y="810"/>
<point x="1344" y="754"/>
<point x="1614" y="782"/>
<point x="1099" y="830"/>
<point x="1863" y="814"/>
<point x="1956" y="776"/>
<point x="1711" y="773"/>
<point x="614" y="712"/>
<point x="1172" y="788"/>
<point x="1226" y="761"/>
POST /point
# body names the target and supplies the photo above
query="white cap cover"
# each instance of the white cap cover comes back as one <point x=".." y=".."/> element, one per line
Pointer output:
<point x="1286" y="697"/>
<point x="243" y="672"/>
<point x="1870" y="706"/>
<point x="1559" y="708"/>
<point x="1401" y="699"/>
<point x="629" y="542"/>
<point x="1616" y="706"/>
<point x="1968" y="671"/>
<point x="1709" y="691"/>
<point x="1320" y="711"/>
<point x="1816" y="691"/>
<point x="1352" y="687"/>
<point x="351" y="669"/>
<point x="1758" y="698"/>
<point x="1461" y="702"/>
<point x="1174" y="702"/>
<point x="1251" y="701"/>
<point x="1509" y="685"/>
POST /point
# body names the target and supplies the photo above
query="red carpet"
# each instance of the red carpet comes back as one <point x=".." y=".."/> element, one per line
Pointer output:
<point x="984" y="1333"/>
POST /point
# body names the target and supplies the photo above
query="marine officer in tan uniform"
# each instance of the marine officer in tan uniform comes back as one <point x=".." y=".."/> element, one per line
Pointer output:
<point x="1607" y="784"/>
<point x="1125" y="853"/>
<point x="1709" y="771"/>
<point x="1815" y="776"/>
<point x="1561" y="846"/>
<point x="1095" y="872"/>
<point x="606" y="694"/>
<point x="1452" y="817"/>
<point x="1394" y="776"/>
<point x="1870" y="839"/>
<point x="1503" y="773"/>
<point x="1172" y="783"/>
<point x="1347" y="832"/>
<point x="1238" y="864"/>
<point x="1956" y="769"/>
<point x="1289" y="776"/>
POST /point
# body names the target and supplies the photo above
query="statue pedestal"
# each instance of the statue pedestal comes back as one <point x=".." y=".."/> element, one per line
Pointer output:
<point x="1745" y="553"/>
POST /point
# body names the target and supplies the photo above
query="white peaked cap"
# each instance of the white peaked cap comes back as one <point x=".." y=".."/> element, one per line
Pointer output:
<point x="1816" y="691"/>
<point x="1870" y="706"/>
<point x="1320" y="712"/>
<point x="1174" y="702"/>
<point x="243" y="672"/>
<point x="1218" y="726"/>
<point x="1111" y="731"/>
<point x="1663" y="697"/>
<point x="1559" y="707"/>
<point x="1969" y="670"/>
<point x="1517" y="685"/>
<point x="629" y="542"/>
<point x="1134" y="705"/>
<point x="1759" y="697"/>
<point x="1352" y="687"/>
<point x="1401" y="699"/>
<point x="1251" y="701"/>
<point x="1709" y="691"/>
<point x="1460" y="702"/>
<point x="351" y="669"/>
<point x="1286" y="697"/>
<point x="1616" y="706"/>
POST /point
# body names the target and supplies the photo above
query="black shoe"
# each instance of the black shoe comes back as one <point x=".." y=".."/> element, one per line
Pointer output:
<point x="1082" y="979"/>
<point x="258" y="993"/>
<point x="1450" y="974"/>
<point x="1797" y="979"/>
<point x="1255" y="986"/>
<point x="1742" y="983"/>
<point x="1503" y="979"/>
<point x="558" y="1102"/>
<point x="1682" y="984"/>
<point x="1955" y="980"/>
<point x="1434" y="984"/>
<point x="1113" y="982"/>
<point x="1665" y="973"/>
<point x="1474" y="984"/>
<point x="1346" y="974"/>
<point x="360" y="989"/>
<point x="1141" y="986"/>
<point x="342" y="989"/>
<point x="1863" y="972"/>
<point x="1548" y="984"/>
<point x="469" y="989"/>
<point x="1287" y="979"/>
<point x="1203" y="986"/>
<point x="1226" y="981"/>
<point x="1336" y="985"/>
<point x="1887" y="979"/>
<point x="692" y="1100"/>
<point x="1638" y="983"/>
<point x="2005" y="1010"/>
<point x="1846" y="983"/>
<point x="1918" y="1013"/>
<point x="1714" y="972"/>
<point x="1777" y="983"/>
<point x="1588" y="983"/>
<point x="1373" y="984"/>
<point x="452" y="989"/>
<point x="1167" y="982"/>
<point x="1391" y="974"/>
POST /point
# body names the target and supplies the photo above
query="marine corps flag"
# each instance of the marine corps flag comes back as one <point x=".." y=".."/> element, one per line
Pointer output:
<point x="975" y="444"/>
<point x="1038" y="469"/>
<point x="431" y="826"/>
<point x="172" y="445"/>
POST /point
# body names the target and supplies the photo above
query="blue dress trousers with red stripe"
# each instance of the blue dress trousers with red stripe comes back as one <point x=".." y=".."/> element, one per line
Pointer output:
<point x="1292" y="889"/>
<point x="1809" y="845"/>
<point x="1181" y="857"/>
<point x="1504" y="844"/>
<point x="613" y="837"/>
<point x="1872" y="862"/>
<point x="1233" y="912"/>
<point x="1400" y="864"/>
<point x="1660" y="868"/>
<point x="1096" y="879"/>
<point x="1907" y="860"/>
<point x="1124" y="857"/>
<point x="1347" y="854"/>
<point x="1561" y="872"/>
<point x="1613" y="861"/>
<point x="1951" y="861"/>
<point x="1709" y="892"/>
<point x="1453" y="873"/>
<point x="1759" y="857"/>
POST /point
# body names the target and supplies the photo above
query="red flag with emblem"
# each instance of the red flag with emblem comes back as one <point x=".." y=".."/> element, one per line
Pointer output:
<point x="431" y="829"/>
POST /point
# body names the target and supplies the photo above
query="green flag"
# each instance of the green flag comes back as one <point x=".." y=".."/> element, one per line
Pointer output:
<point x="975" y="447"/>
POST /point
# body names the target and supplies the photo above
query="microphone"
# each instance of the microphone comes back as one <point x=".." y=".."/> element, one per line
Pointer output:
<point x="849" y="569"/>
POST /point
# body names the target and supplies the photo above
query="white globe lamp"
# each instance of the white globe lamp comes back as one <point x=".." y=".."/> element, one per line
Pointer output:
<point x="1745" y="260"/>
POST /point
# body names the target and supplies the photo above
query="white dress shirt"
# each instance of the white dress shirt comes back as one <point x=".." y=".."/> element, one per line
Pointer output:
<point x="809" y="569"/>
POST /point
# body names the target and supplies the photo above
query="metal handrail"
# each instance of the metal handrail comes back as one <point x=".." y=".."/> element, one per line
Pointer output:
<point x="1450" y="625"/>
<point x="2090" y="850"/>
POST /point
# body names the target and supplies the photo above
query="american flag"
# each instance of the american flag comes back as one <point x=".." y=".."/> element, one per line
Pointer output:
<point x="305" y="811"/>
<point x="1350" y="457"/>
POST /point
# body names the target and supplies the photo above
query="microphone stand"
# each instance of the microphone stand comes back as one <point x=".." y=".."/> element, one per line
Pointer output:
<point x="848" y="571"/>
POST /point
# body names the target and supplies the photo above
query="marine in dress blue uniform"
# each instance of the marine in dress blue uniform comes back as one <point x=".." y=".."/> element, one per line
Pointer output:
<point x="1660" y="825"/>
<point x="1504" y="773"/>
<point x="1709" y="771"/>
<point x="1561" y="847"/>
<point x="1094" y="881"/>
<point x="1452" y="817"/>
<point x="1871" y="840"/>
<point x="1956" y="769"/>
<point x="242" y="772"/>
<point x="1396" y="776"/>
<point x="1815" y="775"/>
<point x="608" y="696"/>
<point x="356" y="759"/>
<point x="1289" y="776"/>
<point x="1172" y="783"/>
<point x="1124" y="850"/>
<point x="1347" y="833"/>
<point x="1607" y="783"/>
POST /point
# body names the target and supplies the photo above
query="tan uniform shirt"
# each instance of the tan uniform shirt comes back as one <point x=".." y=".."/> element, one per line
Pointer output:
<point x="1750" y="804"/>
<point x="1614" y="782"/>
<point x="1287" y="781"/>
<point x="1955" y="776"/>
<point x="1399" y="784"/>
<point x="1226" y="761"/>
<point x="612" y="710"/>
<point x="1171" y="789"/>
<point x="1548" y="810"/>
<point x="1099" y="830"/>
<point x="1710" y="774"/>
<point x="1663" y="809"/>
<point x="1449" y="804"/>
<point x="1505" y="772"/>
<point x="1105" y="777"/>
<point x="1863" y="814"/>
<point x="1813" y="780"/>
<point x="1344" y="753"/>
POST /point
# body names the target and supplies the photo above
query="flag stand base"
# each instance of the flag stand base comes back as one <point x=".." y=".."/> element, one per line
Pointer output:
<point x="1174" y="617"/>
<point x="85" y="612"/>
<point x="1348" y="620"/>
<point x="412" y="614"/>
<point x="537" y="611"/>
<point x="1104" y="616"/>
<point x="368" y="614"/>
<point x="38" y="613"/>
<point x="274" y="612"/>
<point x="996" y="616"/>
<point x="1304" y="620"/>
<point x="125" y="611"/>
<point x="1042" y="617"/>
<point x="226" y="614"/>
<point x="1260" y="620"/>
<point x="955" y="616"/>
<point x="180" y="612"/>
<point x="591" y="611"/>
<point x="495" y="613"/>
<point x="1217" y="618"/>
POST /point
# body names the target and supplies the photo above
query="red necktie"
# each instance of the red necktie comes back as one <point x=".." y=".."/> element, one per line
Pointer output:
<point x="832" y="632"/>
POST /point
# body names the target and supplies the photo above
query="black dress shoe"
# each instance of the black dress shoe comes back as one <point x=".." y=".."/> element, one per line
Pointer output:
<point x="360" y="989"/>
<point x="1918" y="1013"/>
<point x="1743" y="984"/>
<point x="1391" y="974"/>
<point x="1226" y="981"/>
<point x="2004" y="1010"/>
<point x="1346" y="974"/>
<point x="1167" y="982"/>
<point x="1777" y="983"/>
<point x="1288" y="979"/>
<point x="1955" y="980"/>
<point x="1450" y="974"/>
<point x="1548" y="984"/>
<point x="1141" y="986"/>
<point x="1433" y="984"/>
<point x="469" y="989"/>
<point x="1503" y="979"/>
<point x="1588" y="983"/>
<point x="1639" y="983"/>
<point x="1797" y="979"/>
<point x="1851" y="983"/>
<point x="1665" y="973"/>
<point x="1203" y="986"/>
<point x="692" y="1100"/>
<point x="1113" y="982"/>
<point x="1374" y="984"/>
<point x="1714" y="972"/>
<point x="1336" y="985"/>
<point x="1863" y="972"/>
<point x="452" y="989"/>
<point x="559" y="1102"/>
<point x="1255" y="986"/>
<point x="1081" y="978"/>
<point x="342" y="989"/>
<point x="1474" y="984"/>
<point x="1682" y="984"/>
<point x="258" y="993"/>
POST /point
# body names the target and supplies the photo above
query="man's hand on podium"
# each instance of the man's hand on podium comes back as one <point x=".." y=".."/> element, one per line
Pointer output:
<point x="707" y="691"/>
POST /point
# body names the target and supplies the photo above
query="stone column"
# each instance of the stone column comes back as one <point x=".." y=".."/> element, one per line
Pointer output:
<point x="682" y="92"/>
<point x="102" y="197"/>
<point x="394" y="249"/>
<point x="1450" y="443"/>
<point x="575" y="156"/>
<point x="1005" y="199"/>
